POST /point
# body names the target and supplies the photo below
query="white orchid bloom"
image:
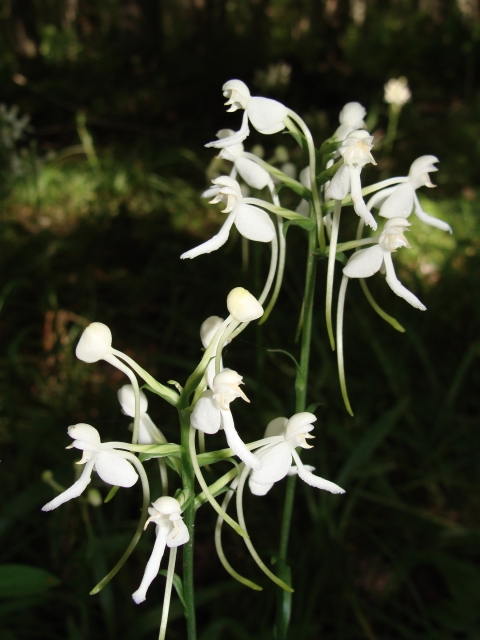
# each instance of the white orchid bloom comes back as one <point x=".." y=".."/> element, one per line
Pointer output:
<point x="276" y="459"/>
<point x="212" y="413"/>
<point x="171" y="531"/>
<point x="207" y="333"/>
<point x="355" y="151"/>
<point x="366" y="262"/>
<point x="148" y="433"/>
<point x="351" y="118"/>
<point x="252" y="173"/>
<point x="399" y="201"/>
<point x="397" y="92"/>
<point x="109" y="463"/>
<point x="267" y="116"/>
<point x="253" y="223"/>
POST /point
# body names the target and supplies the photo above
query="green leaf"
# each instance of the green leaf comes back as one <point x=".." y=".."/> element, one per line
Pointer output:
<point x="20" y="580"/>
<point x="178" y="584"/>
<point x="369" y="443"/>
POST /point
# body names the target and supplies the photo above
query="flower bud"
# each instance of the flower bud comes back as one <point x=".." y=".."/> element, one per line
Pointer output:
<point x="243" y="306"/>
<point x="209" y="328"/>
<point x="95" y="343"/>
<point x="126" y="397"/>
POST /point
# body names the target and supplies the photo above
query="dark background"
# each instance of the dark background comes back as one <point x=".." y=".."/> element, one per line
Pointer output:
<point x="99" y="197"/>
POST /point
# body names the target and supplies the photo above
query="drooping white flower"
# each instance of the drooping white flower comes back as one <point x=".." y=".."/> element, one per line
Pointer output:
<point x="148" y="433"/>
<point x="95" y="343"/>
<point x="351" y="118"/>
<point x="109" y="463"/>
<point x="276" y="459"/>
<point x="397" y="91"/>
<point x="366" y="262"/>
<point x="355" y="151"/>
<point x="252" y="173"/>
<point x="212" y="412"/>
<point x="170" y="531"/>
<point x="253" y="223"/>
<point x="267" y="116"/>
<point x="399" y="201"/>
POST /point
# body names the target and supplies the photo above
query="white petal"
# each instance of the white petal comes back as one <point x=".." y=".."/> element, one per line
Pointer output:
<point x="259" y="489"/>
<point x="359" y="205"/>
<point x="236" y="138"/>
<point x="178" y="536"/>
<point x="254" y="223"/>
<point x="275" y="461"/>
<point x="210" y="193"/>
<point x="293" y="471"/>
<point x="126" y="397"/>
<point x="74" y="491"/>
<point x="153" y="564"/>
<point x="148" y="433"/>
<point x="236" y="444"/>
<point x="267" y="116"/>
<point x="115" y="470"/>
<point x="340" y="184"/>
<point x="315" y="481"/>
<point x="86" y="437"/>
<point x="364" y="263"/>
<point x="95" y="342"/>
<point x="276" y="427"/>
<point x="379" y="197"/>
<point x="206" y="415"/>
<point x="214" y="243"/>
<point x="253" y="174"/>
<point x="397" y="287"/>
<point x="433" y="222"/>
<point x="400" y="203"/>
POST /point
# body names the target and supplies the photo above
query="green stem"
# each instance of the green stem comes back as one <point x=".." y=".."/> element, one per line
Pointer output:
<point x="284" y="599"/>
<point x="188" y="482"/>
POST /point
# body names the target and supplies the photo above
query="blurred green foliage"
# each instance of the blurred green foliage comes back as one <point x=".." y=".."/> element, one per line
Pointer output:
<point x="100" y="196"/>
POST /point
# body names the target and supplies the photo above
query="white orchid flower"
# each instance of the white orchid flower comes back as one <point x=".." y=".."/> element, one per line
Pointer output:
<point x="267" y="116"/>
<point x="276" y="459"/>
<point x="253" y="223"/>
<point x="397" y="92"/>
<point x="366" y="262"/>
<point x="399" y="201"/>
<point x="252" y="173"/>
<point x="212" y="413"/>
<point x="171" y="532"/>
<point x="355" y="151"/>
<point x="110" y="464"/>
<point x="148" y="433"/>
<point x="351" y="118"/>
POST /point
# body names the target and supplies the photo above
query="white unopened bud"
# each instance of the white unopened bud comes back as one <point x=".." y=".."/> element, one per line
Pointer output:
<point x="95" y="343"/>
<point x="209" y="328"/>
<point x="397" y="91"/>
<point x="243" y="306"/>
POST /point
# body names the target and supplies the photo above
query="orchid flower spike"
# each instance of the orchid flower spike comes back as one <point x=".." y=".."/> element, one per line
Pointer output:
<point x="400" y="200"/>
<point x="148" y="433"/>
<point x="267" y="116"/>
<point x="276" y="459"/>
<point x="252" y="173"/>
<point x="351" y="118"/>
<point x="109" y="463"/>
<point x="253" y="223"/>
<point x="366" y="262"/>
<point x="171" y="531"/>
<point x="355" y="151"/>
<point x="212" y="413"/>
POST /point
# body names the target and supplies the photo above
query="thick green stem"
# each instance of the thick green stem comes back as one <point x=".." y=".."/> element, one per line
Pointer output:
<point x="283" y="598"/>
<point x="188" y="482"/>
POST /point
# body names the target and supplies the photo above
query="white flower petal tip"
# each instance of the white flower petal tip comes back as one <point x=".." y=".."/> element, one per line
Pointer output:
<point x="95" y="343"/>
<point x="243" y="306"/>
<point x="139" y="596"/>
